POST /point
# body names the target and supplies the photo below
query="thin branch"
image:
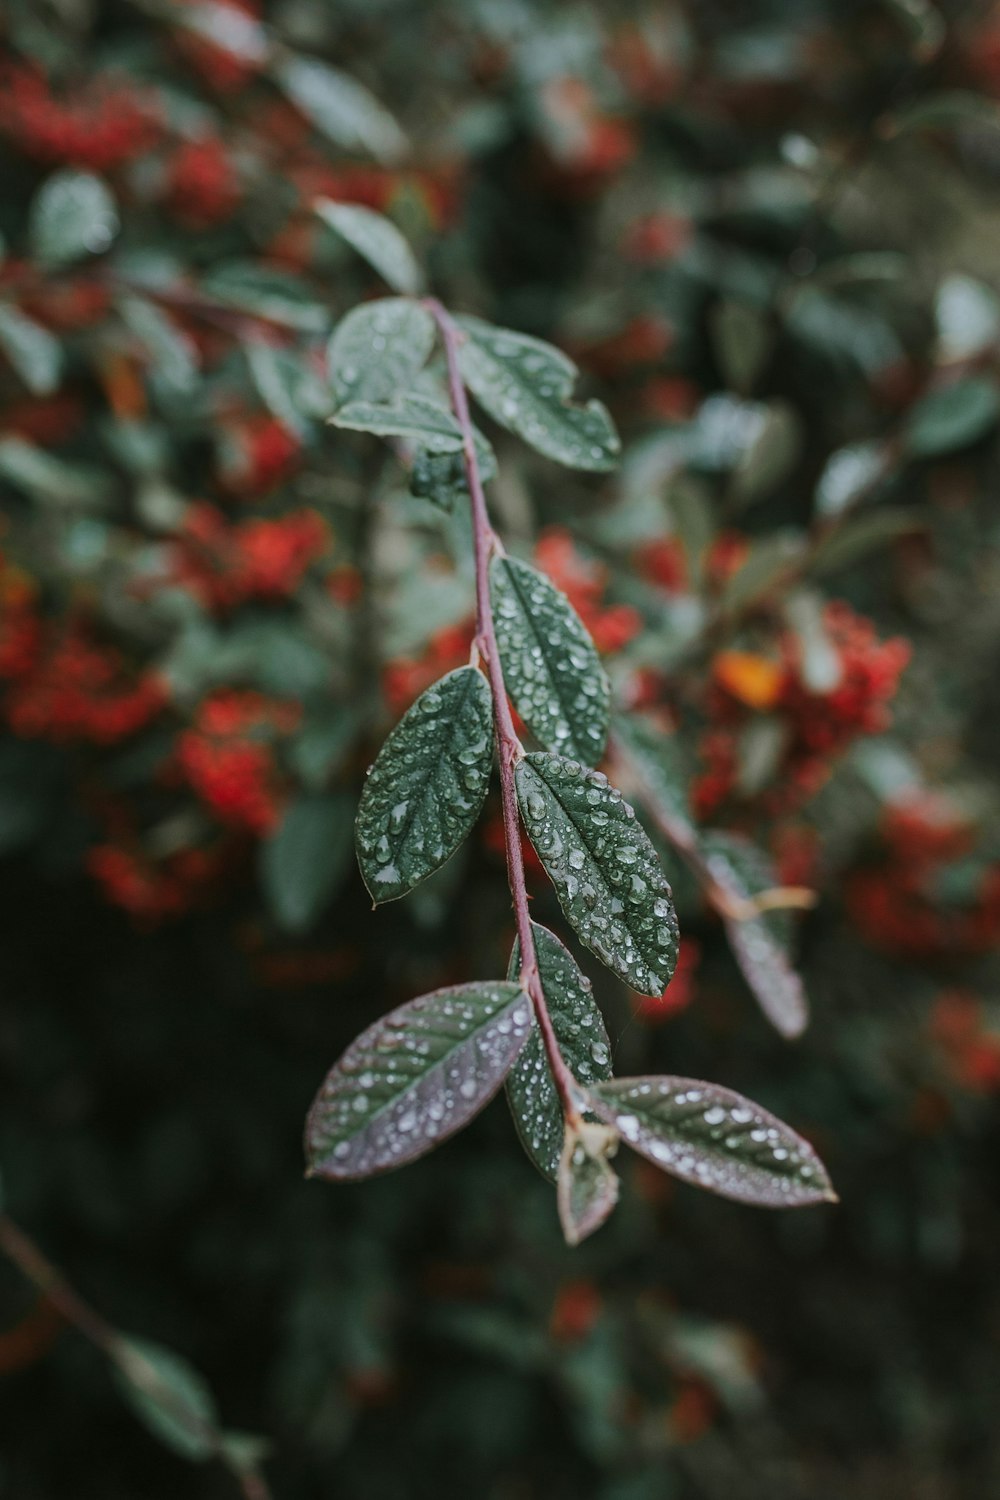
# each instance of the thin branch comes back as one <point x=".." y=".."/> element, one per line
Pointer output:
<point x="509" y="747"/>
<point x="35" y="1265"/>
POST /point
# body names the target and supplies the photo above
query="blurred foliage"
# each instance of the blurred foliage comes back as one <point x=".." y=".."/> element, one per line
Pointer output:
<point x="766" y="231"/>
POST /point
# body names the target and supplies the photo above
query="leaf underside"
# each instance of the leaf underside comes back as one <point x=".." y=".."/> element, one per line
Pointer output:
<point x="583" y="1042"/>
<point x="759" y="944"/>
<point x="426" y="788"/>
<point x="523" y="383"/>
<point x="604" y="868"/>
<point x="714" y="1138"/>
<point x="550" y="663"/>
<point x="414" y="1078"/>
<point x="587" y="1188"/>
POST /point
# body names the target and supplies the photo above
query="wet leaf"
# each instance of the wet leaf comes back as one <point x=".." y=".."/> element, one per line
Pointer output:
<point x="414" y="1078"/>
<point x="73" y="215"/>
<point x="305" y="858"/>
<point x="583" y="1042"/>
<point x="377" y="240"/>
<point x="587" y="1185"/>
<point x="603" y="866"/>
<point x="760" y="944"/>
<point x="406" y="416"/>
<point x="523" y="383"/>
<point x="425" y="790"/>
<point x="441" y="477"/>
<point x="31" y="350"/>
<point x="550" y="663"/>
<point x="378" y="349"/>
<point x="714" y="1138"/>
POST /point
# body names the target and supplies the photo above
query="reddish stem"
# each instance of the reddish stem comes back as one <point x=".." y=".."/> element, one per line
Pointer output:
<point x="509" y="747"/>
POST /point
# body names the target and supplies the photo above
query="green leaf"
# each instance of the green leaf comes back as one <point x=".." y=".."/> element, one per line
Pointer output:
<point x="603" y="866"/>
<point x="268" y="292"/>
<point x="306" y="857"/>
<point x="284" y="386"/>
<point x="377" y="240"/>
<point x="715" y="1139"/>
<point x="173" y="354"/>
<point x="862" y="534"/>
<point x="760" y="944"/>
<point x="414" y="1078"/>
<point x="31" y="350"/>
<point x="550" y="663"/>
<point x="586" y="1186"/>
<point x="73" y="214"/>
<point x="169" y="1396"/>
<point x="523" y="383"/>
<point x="441" y="477"/>
<point x="849" y="474"/>
<point x="425" y="790"/>
<point x="967" y="314"/>
<point x="46" y="477"/>
<point x="657" y="762"/>
<point x="948" y="110"/>
<point x="742" y="340"/>
<point x="769" y="562"/>
<point x="341" y="108"/>
<point x="226" y="27"/>
<point x="583" y="1042"/>
<point x="379" y="349"/>
<point x="952" y="418"/>
<point x="407" y="416"/>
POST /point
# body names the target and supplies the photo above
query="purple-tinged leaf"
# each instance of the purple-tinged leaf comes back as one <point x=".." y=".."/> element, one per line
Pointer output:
<point x="759" y="944"/>
<point x="583" y="1042"/>
<point x="414" y="1078"/>
<point x="714" y="1138"/>
<point x="603" y="866"/>
<point x="587" y="1185"/>
<point x="550" y="663"/>
<point x="427" y="785"/>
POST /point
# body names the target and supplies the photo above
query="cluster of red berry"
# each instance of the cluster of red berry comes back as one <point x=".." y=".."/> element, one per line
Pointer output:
<point x="226" y="565"/>
<point x="229" y="756"/>
<point x="99" y="127"/>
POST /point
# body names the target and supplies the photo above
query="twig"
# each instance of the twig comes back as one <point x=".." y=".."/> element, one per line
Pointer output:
<point x="509" y="747"/>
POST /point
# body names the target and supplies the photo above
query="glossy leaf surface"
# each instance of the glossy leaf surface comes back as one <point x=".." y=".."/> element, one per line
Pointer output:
<point x="378" y="349"/>
<point x="375" y="238"/>
<point x="587" y="1185"/>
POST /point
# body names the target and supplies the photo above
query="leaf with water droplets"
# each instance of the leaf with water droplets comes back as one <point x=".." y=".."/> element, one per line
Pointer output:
<point x="759" y="943"/>
<point x="406" y="416"/>
<point x="583" y="1042"/>
<point x="425" y="790"/>
<point x="441" y="477"/>
<point x="603" y="866"/>
<point x="587" y="1185"/>
<point x="414" y="1078"/>
<point x="550" y="664"/>
<point x="376" y="238"/>
<point x="714" y="1138"/>
<point x="524" y="384"/>
<point x="378" y="349"/>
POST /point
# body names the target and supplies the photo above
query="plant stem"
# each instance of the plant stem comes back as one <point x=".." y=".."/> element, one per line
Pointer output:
<point x="509" y="747"/>
<point x="35" y="1265"/>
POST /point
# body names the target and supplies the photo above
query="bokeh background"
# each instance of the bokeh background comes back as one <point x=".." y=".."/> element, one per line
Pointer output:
<point x="767" y="232"/>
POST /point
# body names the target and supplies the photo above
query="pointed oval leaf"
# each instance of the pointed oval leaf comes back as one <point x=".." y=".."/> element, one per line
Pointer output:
<point x="375" y="238"/>
<point x="31" y="350"/>
<point x="406" y="416"/>
<point x="550" y="663"/>
<point x="714" y="1138"/>
<point x="441" y="476"/>
<point x="378" y="349"/>
<point x="603" y="866"/>
<point x="168" y="1395"/>
<point x="583" y="1042"/>
<point x="341" y="108"/>
<point x="414" y="1078"/>
<point x="760" y="944"/>
<point x="424" y="791"/>
<point x="523" y="383"/>
<point x="587" y="1187"/>
<point x="658" y="768"/>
